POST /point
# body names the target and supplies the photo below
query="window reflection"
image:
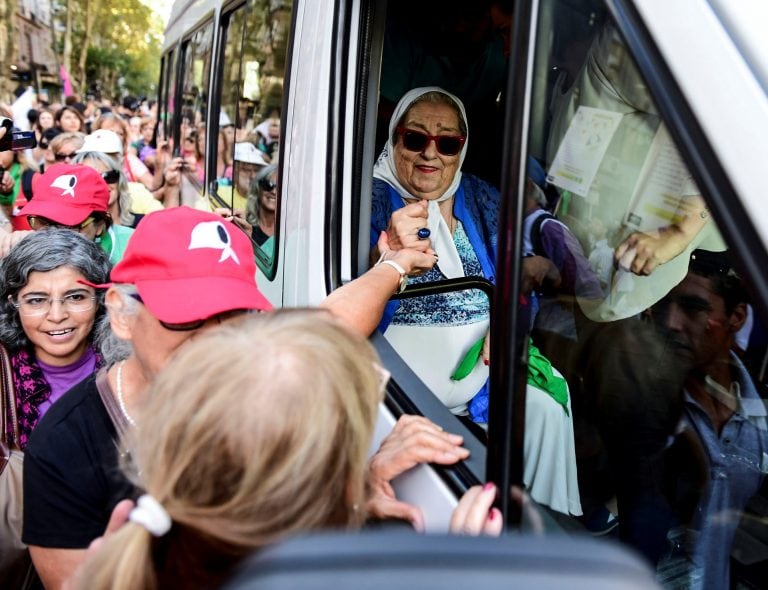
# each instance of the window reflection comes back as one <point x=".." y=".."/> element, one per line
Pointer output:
<point x="249" y="121"/>
<point x="670" y="425"/>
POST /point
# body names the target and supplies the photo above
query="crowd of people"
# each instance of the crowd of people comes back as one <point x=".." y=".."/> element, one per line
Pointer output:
<point x="93" y="311"/>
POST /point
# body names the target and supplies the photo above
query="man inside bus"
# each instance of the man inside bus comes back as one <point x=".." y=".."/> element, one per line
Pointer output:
<point x="722" y="409"/>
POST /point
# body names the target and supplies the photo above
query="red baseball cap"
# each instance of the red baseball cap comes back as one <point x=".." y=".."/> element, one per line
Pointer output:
<point x="190" y="265"/>
<point x="68" y="194"/>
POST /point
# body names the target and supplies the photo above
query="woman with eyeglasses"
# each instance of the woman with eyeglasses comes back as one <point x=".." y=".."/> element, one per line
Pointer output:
<point x="64" y="146"/>
<point x="47" y="318"/>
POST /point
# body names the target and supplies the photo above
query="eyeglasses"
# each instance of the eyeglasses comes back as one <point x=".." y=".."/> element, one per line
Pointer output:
<point x="60" y="157"/>
<point x="32" y="305"/>
<point x="111" y="176"/>
<point x="36" y="222"/>
<point x="197" y="324"/>
<point x="416" y="141"/>
<point x="267" y="185"/>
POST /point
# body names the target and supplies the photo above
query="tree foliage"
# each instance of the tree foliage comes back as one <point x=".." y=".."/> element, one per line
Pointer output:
<point x="120" y="41"/>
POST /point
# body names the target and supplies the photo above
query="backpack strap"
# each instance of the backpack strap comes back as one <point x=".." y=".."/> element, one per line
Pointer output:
<point x="538" y="248"/>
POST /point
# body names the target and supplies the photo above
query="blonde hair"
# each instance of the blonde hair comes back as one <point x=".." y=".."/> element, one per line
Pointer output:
<point x="74" y="137"/>
<point x="253" y="432"/>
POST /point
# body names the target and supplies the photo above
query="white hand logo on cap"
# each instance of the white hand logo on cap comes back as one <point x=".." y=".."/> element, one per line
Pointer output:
<point x="67" y="183"/>
<point x="213" y="234"/>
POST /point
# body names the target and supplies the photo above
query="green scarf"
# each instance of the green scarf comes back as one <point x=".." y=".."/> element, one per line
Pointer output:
<point x="540" y="373"/>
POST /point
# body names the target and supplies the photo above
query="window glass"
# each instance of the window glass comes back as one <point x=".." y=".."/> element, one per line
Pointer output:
<point x="254" y="75"/>
<point x="167" y="97"/>
<point x="195" y="78"/>
<point x="234" y="25"/>
<point x="641" y="314"/>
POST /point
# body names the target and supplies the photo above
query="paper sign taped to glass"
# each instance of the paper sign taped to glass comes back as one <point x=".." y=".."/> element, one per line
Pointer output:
<point x="582" y="149"/>
<point x="628" y="177"/>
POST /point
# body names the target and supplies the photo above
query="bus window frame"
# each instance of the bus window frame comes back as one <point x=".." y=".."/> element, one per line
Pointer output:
<point x="211" y="138"/>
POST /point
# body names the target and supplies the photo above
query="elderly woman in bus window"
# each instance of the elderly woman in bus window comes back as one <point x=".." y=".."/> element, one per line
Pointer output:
<point x="422" y="199"/>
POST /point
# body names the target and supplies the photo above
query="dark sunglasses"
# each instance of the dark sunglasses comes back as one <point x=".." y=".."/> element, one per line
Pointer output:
<point x="111" y="176"/>
<point x="416" y="141"/>
<point x="62" y="157"/>
<point x="36" y="223"/>
<point x="267" y="185"/>
<point x="197" y="324"/>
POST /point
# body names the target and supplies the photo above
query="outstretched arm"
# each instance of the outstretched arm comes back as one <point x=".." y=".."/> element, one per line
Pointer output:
<point x="360" y="303"/>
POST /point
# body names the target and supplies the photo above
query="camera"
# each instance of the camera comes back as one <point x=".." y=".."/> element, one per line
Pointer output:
<point x="14" y="139"/>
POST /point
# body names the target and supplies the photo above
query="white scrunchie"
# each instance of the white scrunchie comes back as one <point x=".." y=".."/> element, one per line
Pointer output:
<point x="150" y="514"/>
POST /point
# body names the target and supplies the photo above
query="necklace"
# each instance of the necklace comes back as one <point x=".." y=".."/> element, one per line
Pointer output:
<point x="120" y="400"/>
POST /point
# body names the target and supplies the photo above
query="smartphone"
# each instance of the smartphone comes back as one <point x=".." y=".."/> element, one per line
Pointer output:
<point x="16" y="140"/>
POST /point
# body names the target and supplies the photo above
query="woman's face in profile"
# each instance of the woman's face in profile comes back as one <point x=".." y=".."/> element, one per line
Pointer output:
<point x="427" y="174"/>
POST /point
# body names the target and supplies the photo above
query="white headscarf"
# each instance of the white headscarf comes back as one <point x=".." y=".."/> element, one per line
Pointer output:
<point x="450" y="263"/>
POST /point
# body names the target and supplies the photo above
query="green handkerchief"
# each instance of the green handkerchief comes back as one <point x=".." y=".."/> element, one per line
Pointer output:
<point x="469" y="361"/>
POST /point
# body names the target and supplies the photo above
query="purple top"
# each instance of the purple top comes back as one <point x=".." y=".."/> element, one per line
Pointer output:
<point x="62" y="379"/>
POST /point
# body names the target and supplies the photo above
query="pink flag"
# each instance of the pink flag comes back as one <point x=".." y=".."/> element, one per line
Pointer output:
<point x="65" y="81"/>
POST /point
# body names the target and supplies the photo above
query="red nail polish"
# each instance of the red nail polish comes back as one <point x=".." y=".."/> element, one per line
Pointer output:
<point x="487" y="362"/>
<point x="488" y="487"/>
<point x="492" y="514"/>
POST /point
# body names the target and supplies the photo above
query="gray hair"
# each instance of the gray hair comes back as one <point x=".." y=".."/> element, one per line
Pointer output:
<point x="253" y="205"/>
<point x="114" y="349"/>
<point x="124" y="200"/>
<point x="43" y="251"/>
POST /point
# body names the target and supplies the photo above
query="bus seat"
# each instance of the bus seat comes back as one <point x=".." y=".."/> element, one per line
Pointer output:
<point x="404" y="559"/>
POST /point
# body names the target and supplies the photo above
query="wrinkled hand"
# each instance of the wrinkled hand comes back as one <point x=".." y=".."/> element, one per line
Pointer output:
<point x="9" y="240"/>
<point x="475" y="514"/>
<point x="414" y="262"/>
<point x="641" y="253"/>
<point x="413" y="440"/>
<point x="404" y="226"/>
<point x="118" y="518"/>
<point x="538" y="270"/>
